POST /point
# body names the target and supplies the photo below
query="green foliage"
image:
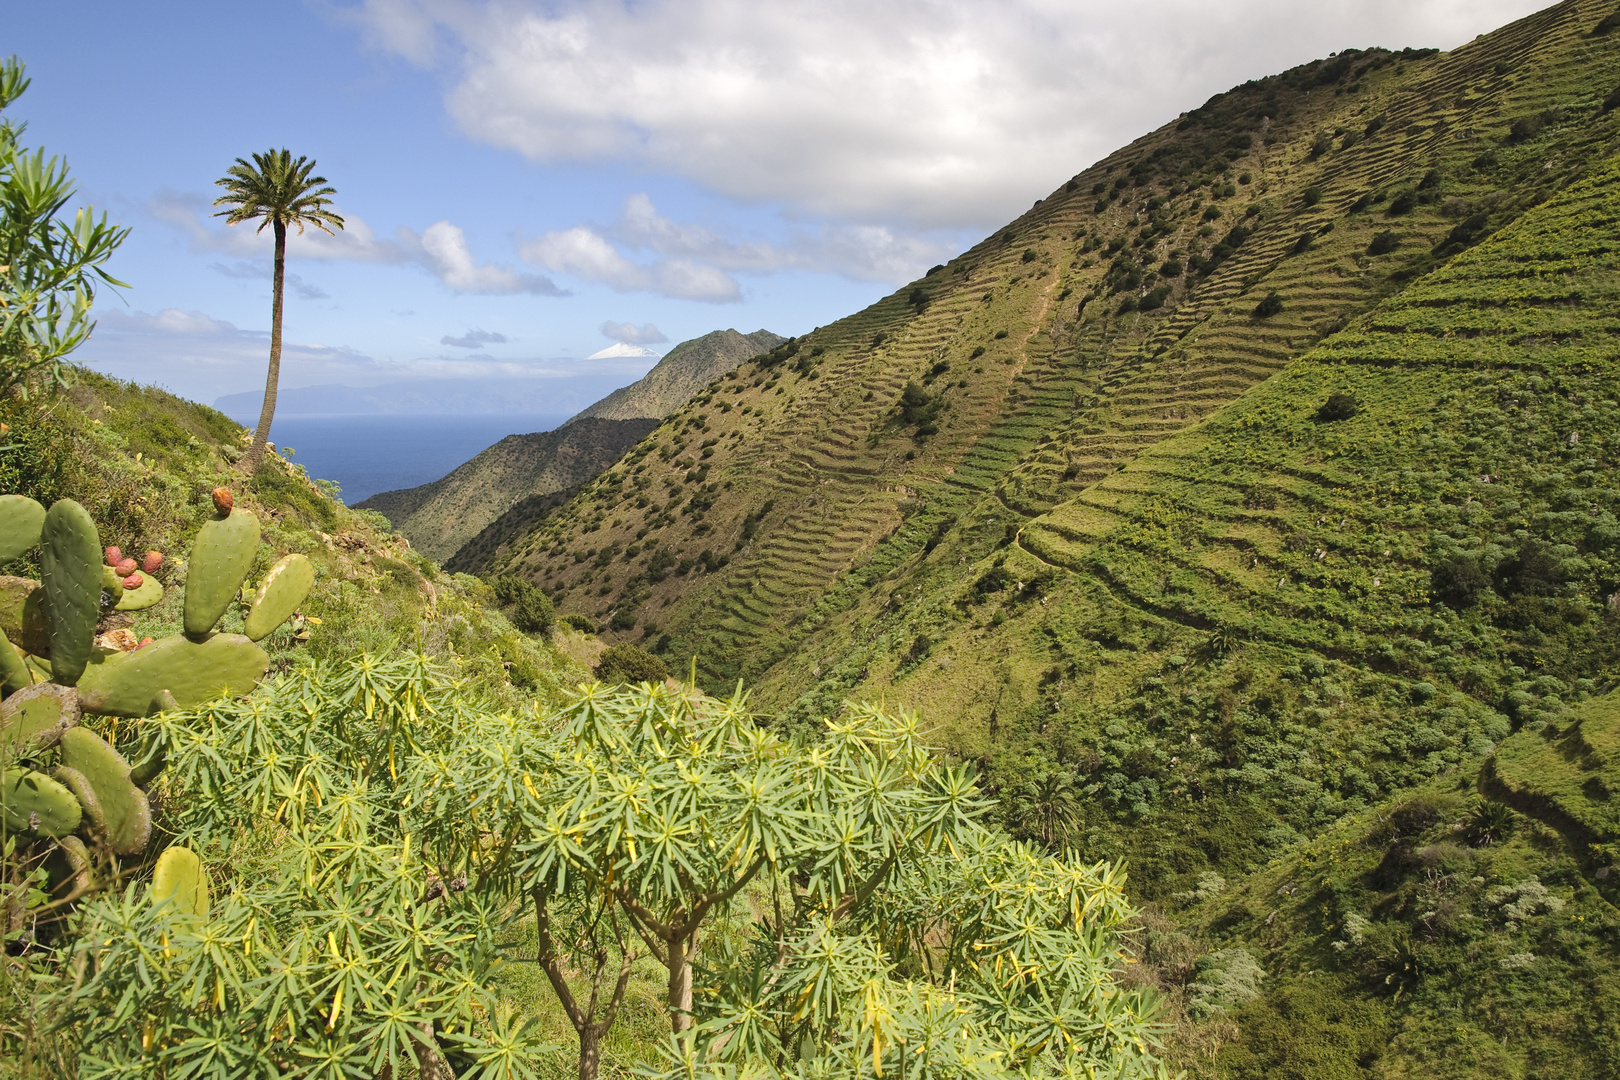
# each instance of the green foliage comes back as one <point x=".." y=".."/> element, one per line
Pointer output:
<point x="1271" y="305"/>
<point x="530" y="610"/>
<point x="52" y="268"/>
<point x="627" y="663"/>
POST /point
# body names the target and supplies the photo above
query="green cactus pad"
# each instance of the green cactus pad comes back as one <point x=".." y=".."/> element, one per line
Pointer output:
<point x="220" y="559"/>
<point x="34" y="718"/>
<point x="22" y="614"/>
<point x="34" y="802"/>
<point x="284" y="588"/>
<point x="70" y="563"/>
<point x="178" y="878"/>
<point x="127" y="683"/>
<point x="89" y="802"/>
<point x="110" y="579"/>
<point x="21" y="520"/>
<point x="69" y="868"/>
<point x="129" y="817"/>
<point x="38" y="666"/>
<point x="149" y="593"/>
<point x="13" y="669"/>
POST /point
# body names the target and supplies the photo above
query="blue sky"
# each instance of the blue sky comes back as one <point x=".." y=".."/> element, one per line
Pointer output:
<point x="528" y="184"/>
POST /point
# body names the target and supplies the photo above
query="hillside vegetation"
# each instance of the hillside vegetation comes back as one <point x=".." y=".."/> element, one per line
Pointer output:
<point x="1231" y="507"/>
<point x="460" y="518"/>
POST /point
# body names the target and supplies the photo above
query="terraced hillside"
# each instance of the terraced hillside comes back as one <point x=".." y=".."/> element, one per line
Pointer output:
<point x="1244" y="587"/>
<point x="1027" y="370"/>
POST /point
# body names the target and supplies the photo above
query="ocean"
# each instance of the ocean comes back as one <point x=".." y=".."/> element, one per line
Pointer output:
<point x="369" y="453"/>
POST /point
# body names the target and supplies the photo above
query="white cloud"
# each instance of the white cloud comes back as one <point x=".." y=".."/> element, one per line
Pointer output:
<point x="621" y="349"/>
<point x="936" y="112"/>
<point x="442" y="248"/>
<point x="631" y="334"/>
<point x="473" y="339"/>
<point x="445" y="246"/>
<point x="587" y="254"/>
<point x="259" y="271"/>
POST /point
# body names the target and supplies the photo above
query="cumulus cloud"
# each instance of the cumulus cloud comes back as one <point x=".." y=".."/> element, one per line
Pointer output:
<point x="936" y="112"/>
<point x="441" y="248"/>
<point x="631" y="334"/>
<point x="473" y="339"/>
<point x="695" y="262"/>
<point x="587" y="254"/>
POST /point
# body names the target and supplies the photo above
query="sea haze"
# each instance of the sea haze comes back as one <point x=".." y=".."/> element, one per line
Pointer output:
<point x="371" y="453"/>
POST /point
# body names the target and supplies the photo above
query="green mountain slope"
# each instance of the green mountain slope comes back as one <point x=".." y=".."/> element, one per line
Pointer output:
<point x="1183" y="612"/>
<point x="526" y="475"/>
<point x="683" y="371"/>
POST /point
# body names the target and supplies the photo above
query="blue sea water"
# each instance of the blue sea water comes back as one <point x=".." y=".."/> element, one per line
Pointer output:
<point x="371" y="453"/>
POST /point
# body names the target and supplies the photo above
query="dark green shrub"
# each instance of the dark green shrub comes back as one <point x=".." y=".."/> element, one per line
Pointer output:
<point x="1466" y="232"/>
<point x="623" y="619"/>
<point x="1337" y="407"/>
<point x="1612" y="102"/>
<point x="1303" y="244"/>
<point x="1322" y="144"/>
<point x="1171" y="268"/>
<point x="1211" y="212"/>
<point x="1608" y="23"/>
<point x="1030" y="255"/>
<point x="978" y="351"/>
<point x="626" y="663"/>
<point x="1155" y="298"/>
<point x="1311" y="196"/>
<point x="1402" y="203"/>
<point x="1000" y="334"/>
<point x="1127" y="305"/>
<point x="1525" y="128"/>
<point x="1458" y="582"/>
<point x="1533" y="571"/>
<point x="919" y="649"/>
<point x="1430" y="181"/>
<point x="1383" y="243"/>
<point x="1271" y="305"/>
<point x="578" y="622"/>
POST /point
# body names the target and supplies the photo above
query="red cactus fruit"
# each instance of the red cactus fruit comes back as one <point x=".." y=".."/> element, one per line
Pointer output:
<point x="153" y="560"/>
<point x="145" y="641"/>
<point x="114" y="556"/>
<point x="125" y="567"/>
<point x="223" y="501"/>
<point x="134" y="581"/>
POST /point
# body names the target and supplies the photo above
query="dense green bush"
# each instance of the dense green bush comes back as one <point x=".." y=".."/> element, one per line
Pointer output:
<point x="1271" y="305"/>
<point x="530" y="610"/>
<point x="1383" y="243"/>
<point x="627" y="663"/>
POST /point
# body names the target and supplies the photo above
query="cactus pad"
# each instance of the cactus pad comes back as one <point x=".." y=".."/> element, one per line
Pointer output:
<point x="139" y="599"/>
<point x="36" y="803"/>
<point x="178" y="878"/>
<point x="89" y="802"/>
<point x="70" y="561"/>
<point x="220" y="560"/>
<point x="21" y="520"/>
<point x="34" y="718"/>
<point x="129" y="817"/>
<point x="22" y="614"/>
<point x="284" y="588"/>
<point x="69" y="868"/>
<point x="39" y="667"/>
<point x="127" y="683"/>
<point x="13" y="670"/>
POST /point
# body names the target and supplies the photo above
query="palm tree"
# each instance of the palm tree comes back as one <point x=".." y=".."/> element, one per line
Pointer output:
<point x="282" y="192"/>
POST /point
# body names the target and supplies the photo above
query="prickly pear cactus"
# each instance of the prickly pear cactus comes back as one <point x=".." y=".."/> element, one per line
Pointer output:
<point x="33" y="802"/>
<point x="128" y="683"/>
<point x="32" y="720"/>
<point x="221" y="557"/>
<point x="58" y="778"/>
<point x="284" y="588"/>
<point x="21" y="520"/>
<point x="178" y="879"/>
<point x="129" y="816"/>
<point x="70" y="562"/>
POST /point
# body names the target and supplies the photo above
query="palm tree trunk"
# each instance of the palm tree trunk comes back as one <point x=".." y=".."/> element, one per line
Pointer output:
<point x="267" y="412"/>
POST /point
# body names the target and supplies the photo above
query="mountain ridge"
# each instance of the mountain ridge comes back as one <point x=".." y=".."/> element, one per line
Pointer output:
<point x="526" y="472"/>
